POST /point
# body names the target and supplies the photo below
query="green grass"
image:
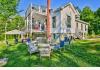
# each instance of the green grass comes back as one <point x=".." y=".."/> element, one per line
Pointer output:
<point x="84" y="53"/>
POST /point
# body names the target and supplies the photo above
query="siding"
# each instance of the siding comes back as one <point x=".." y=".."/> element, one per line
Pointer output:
<point x="58" y="22"/>
<point x="68" y="11"/>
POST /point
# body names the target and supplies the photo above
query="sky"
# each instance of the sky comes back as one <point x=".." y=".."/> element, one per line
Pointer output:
<point x="93" y="4"/>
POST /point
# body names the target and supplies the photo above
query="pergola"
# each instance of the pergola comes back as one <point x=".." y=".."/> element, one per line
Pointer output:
<point x="14" y="32"/>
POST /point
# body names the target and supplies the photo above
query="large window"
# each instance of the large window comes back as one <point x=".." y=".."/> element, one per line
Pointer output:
<point x="54" y="22"/>
<point x="54" y="36"/>
<point x="81" y="26"/>
<point x="85" y="28"/>
<point x="77" y="25"/>
<point x="68" y="21"/>
<point x="33" y="20"/>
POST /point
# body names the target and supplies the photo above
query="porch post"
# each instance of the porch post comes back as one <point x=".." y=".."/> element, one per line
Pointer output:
<point x="31" y="19"/>
<point x="27" y="27"/>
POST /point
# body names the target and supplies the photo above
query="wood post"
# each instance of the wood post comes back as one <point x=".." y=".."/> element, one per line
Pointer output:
<point x="48" y="21"/>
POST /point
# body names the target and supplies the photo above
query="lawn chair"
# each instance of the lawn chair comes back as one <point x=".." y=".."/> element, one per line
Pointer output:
<point x="32" y="48"/>
<point x="66" y="41"/>
<point x="62" y="43"/>
<point x="28" y="41"/>
<point x="45" y="50"/>
<point x="3" y="61"/>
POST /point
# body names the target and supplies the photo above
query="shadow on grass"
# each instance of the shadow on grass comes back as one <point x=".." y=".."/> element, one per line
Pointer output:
<point x="18" y="56"/>
<point x="81" y="52"/>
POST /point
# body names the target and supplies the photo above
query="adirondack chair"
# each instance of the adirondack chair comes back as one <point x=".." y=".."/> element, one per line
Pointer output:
<point x="66" y="41"/>
<point x="3" y="61"/>
<point x="32" y="48"/>
<point x="45" y="50"/>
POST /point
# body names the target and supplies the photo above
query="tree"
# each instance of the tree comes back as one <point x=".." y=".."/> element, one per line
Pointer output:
<point x="88" y="15"/>
<point x="17" y="23"/>
<point x="8" y="9"/>
<point x="97" y="13"/>
<point x="97" y="21"/>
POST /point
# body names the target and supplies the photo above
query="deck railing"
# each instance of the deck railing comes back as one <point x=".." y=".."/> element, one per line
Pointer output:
<point x="39" y="9"/>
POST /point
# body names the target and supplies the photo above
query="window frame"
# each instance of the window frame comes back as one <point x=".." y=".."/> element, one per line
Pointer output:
<point x="68" y="21"/>
<point x="81" y="26"/>
<point x="85" y="27"/>
<point x="54" y="21"/>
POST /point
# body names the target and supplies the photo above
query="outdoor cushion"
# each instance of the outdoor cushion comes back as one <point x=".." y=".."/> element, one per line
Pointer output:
<point x="61" y="43"/>
<point x="57" y="46"/>
<point x="32" y="48"/>
<point x="66" y="39"/>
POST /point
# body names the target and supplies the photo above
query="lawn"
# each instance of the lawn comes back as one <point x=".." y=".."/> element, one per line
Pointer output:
<point x="81" y="53"/>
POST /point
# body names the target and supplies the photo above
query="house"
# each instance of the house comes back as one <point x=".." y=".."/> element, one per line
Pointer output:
<point x="64" y="20"/>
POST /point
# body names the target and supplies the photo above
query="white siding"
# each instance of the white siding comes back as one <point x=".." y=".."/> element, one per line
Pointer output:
<point x="58" y="22"/>
<point x="68" y="11"/>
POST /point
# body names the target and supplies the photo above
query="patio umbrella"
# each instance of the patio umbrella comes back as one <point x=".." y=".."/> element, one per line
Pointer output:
<point x="14" y="32"/>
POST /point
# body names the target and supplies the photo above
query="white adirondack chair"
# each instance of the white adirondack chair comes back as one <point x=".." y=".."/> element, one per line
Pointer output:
<point x="45" y="50"/>
<point x="32" y="48"/>
<point x="3" y="61"/>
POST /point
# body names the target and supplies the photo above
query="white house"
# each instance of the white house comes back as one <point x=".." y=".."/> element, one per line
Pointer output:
<point x="64" y="20"/>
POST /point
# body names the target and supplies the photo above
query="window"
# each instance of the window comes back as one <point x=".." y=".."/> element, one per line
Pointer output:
<point x="77" y="25"/>
<point x="46" y="21"/>
<point x="43" y="11"/>
<point x="68" y="21"/>
<point x="32" y="20"/>
<point x="54" y="22"/>
<point x="81" y="26"/>
<point x="54" y="36"/>
<point x="85" y="28"/>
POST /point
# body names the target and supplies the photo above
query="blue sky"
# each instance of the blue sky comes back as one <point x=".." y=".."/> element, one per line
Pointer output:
<point x="93" y="4"/>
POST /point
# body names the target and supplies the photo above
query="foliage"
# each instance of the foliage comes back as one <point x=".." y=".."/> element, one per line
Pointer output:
<point x="16" y="23"/>
<point x="88" y="15"/>
<point x="93" y="18"/>
<point x="97" y="21"/>
<point x="9" y="15"/>
<point x="8" y="9"/>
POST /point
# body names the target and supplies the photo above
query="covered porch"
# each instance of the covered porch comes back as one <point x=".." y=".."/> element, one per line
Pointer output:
<point x="38" y="23"/>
